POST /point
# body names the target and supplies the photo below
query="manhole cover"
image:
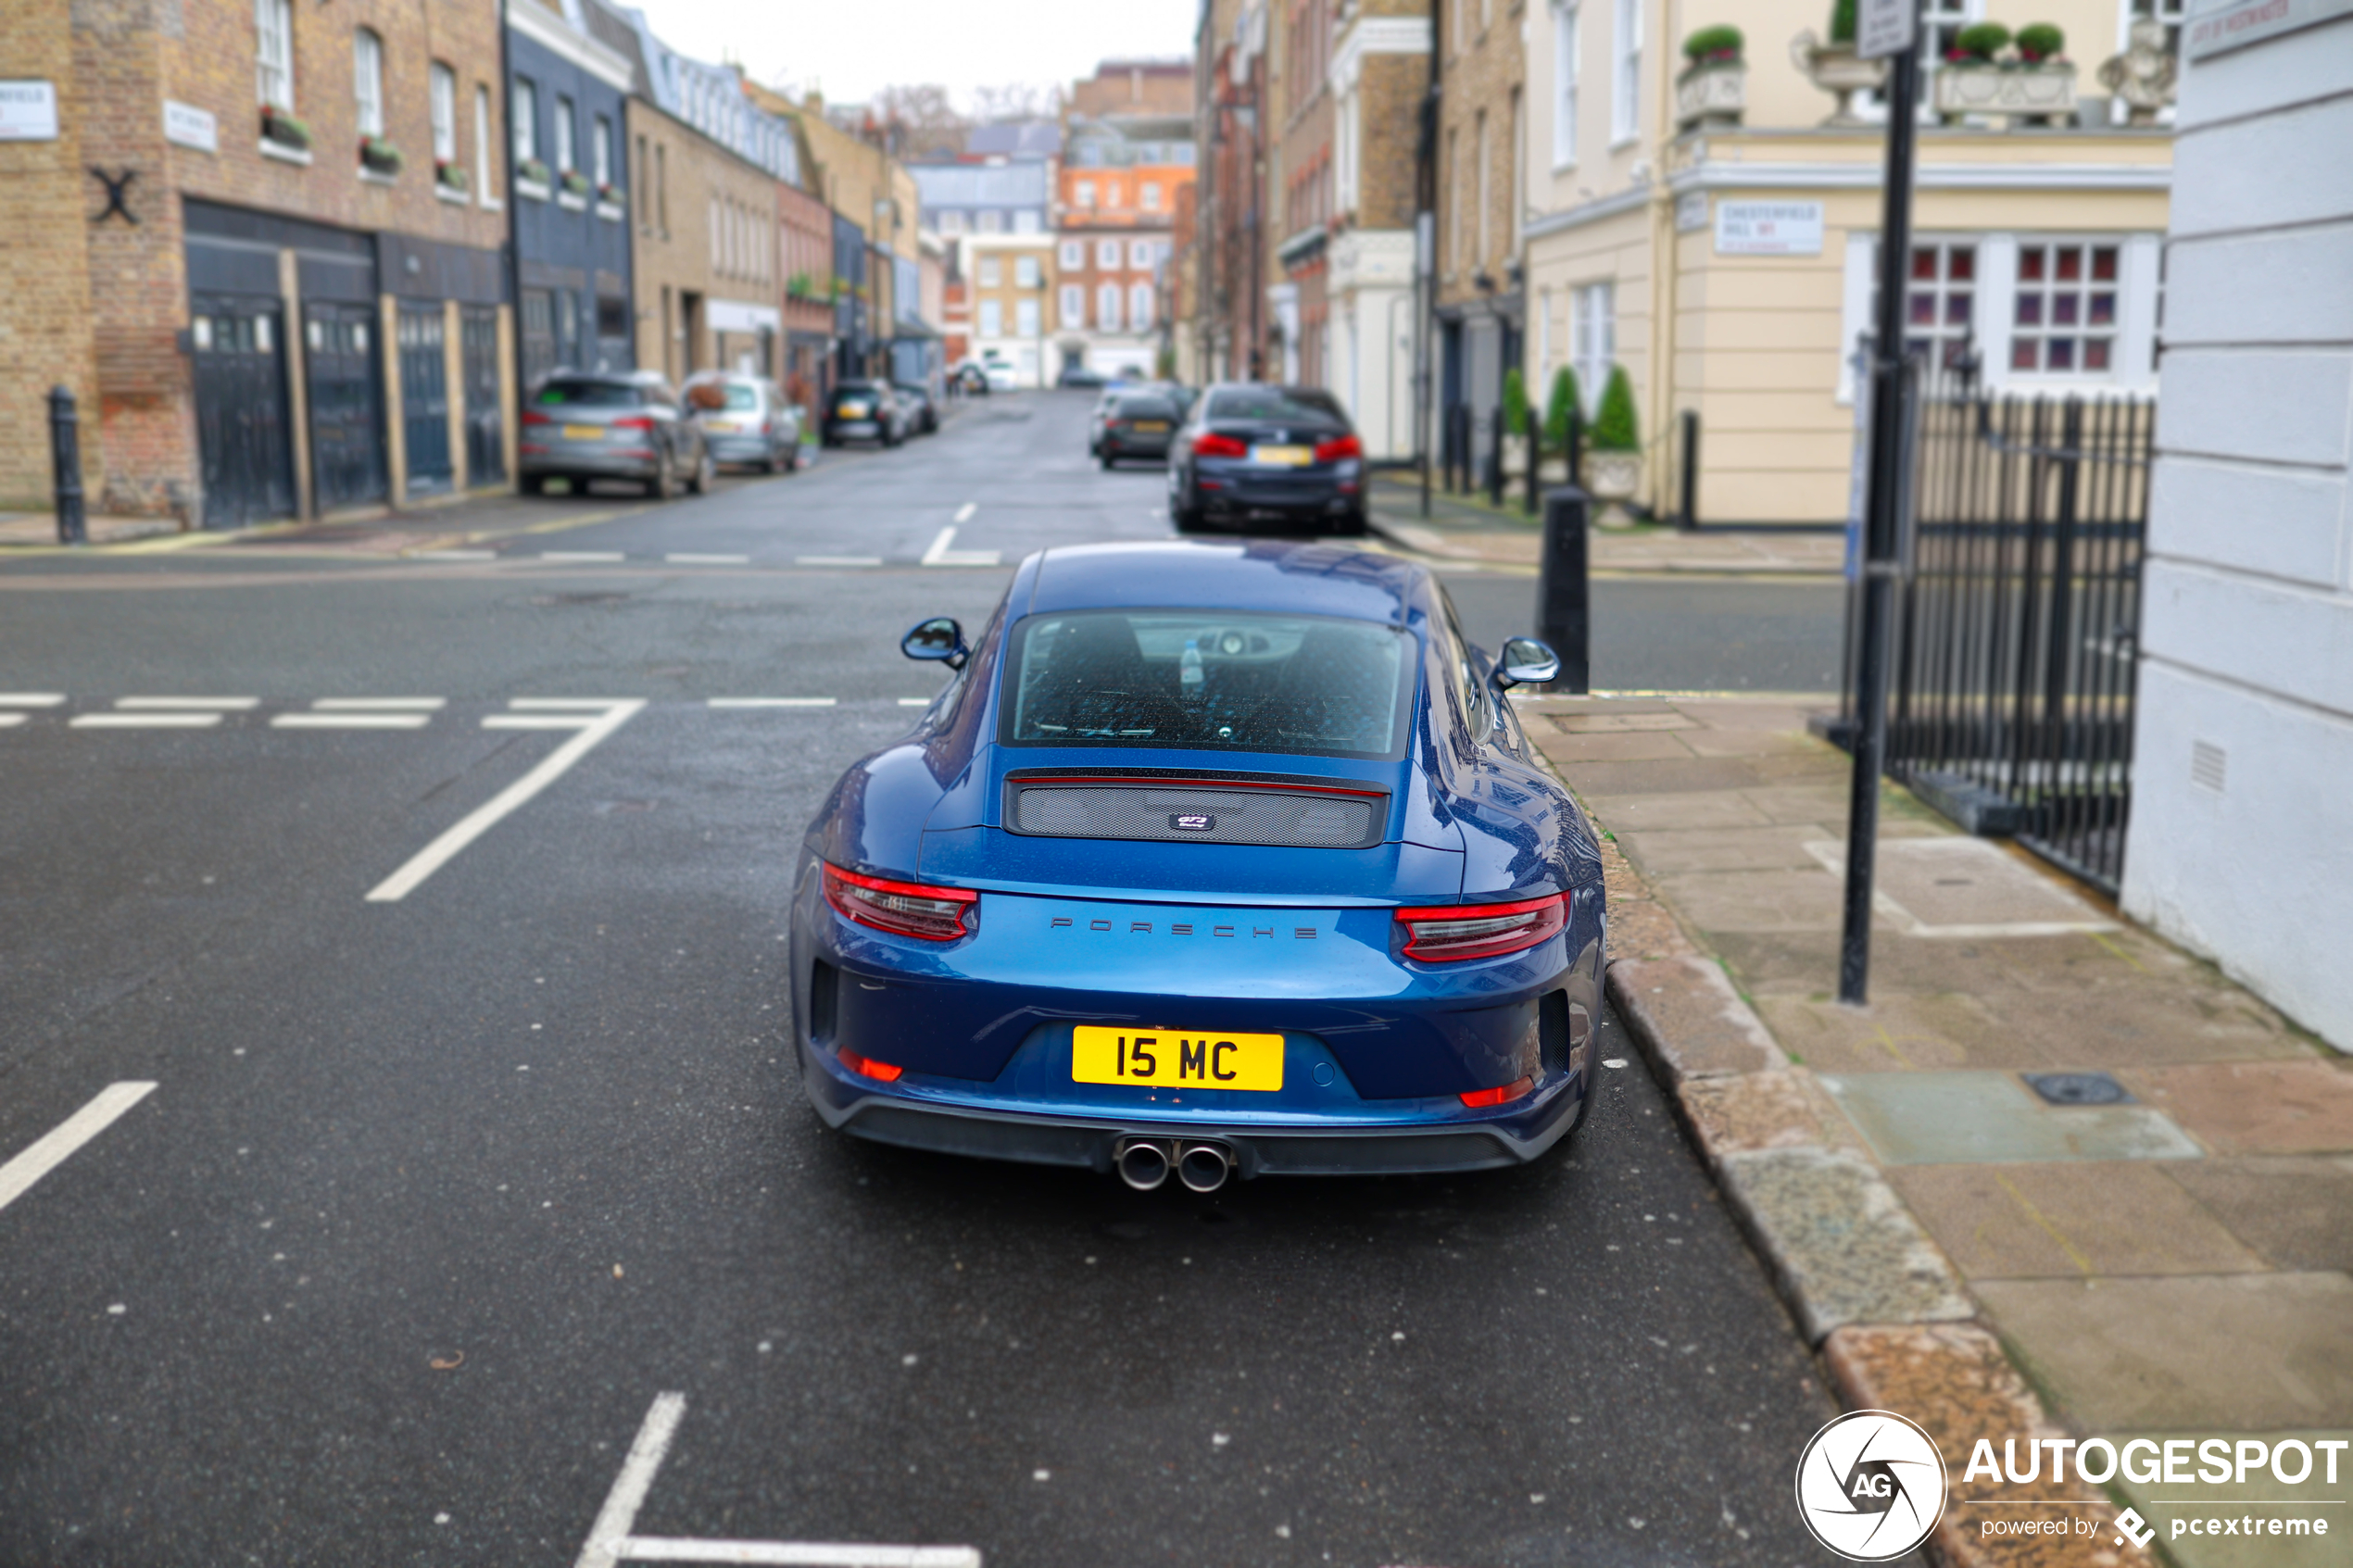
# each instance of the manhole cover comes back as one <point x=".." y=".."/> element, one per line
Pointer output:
<point x="2078" y="1089"/>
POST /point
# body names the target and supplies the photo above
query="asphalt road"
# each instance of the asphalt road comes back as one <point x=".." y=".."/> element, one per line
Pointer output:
<point x="435" y="1197"/>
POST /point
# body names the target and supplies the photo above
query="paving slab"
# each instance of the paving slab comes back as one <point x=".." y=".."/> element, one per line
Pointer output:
<point x="2068" y="1222"/>
<point x="2296" y="1210"/>
<point x="2257" y="1107"/>
<point x="1696" y="809"/>
<point x="1897" y="1031"/>
<point x="1722" y="850"/>
<point x="1950" y="887"/>
<point x="1759" y="900"/>
<point x="2231" y="1352"/>
<point x="1841" y="1242"/>
<point x="1955" y="1117"/>
<point x="1698" y="1023"/>
<point x="1666" y="777"/>
<point x="1824" y="802"/>
<point x="1615" y="720"/>
<point x="2253" y="1501"/>
<point x="1632" y="746"/>
<point x="1954" y="1381"/>
<point x="1740" y="714"/>
<point x="1762" y="742"/>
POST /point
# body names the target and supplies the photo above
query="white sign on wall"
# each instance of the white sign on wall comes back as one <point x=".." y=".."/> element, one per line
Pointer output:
<point x="28" y="111"/>
<point x="1885" y="26"/>
<point x="188" y="126"/>
<point x="1690" y="211"/>
<point x="1755" y="228"/>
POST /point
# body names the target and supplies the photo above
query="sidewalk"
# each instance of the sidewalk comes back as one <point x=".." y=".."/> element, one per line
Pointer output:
<point x="41" y="528"/>
<point x="2160" y="1237"/>
<point x="1465" y="530"/>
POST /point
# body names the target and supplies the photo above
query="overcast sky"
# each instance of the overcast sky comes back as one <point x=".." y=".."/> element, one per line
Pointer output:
<point x="851" y="47"/>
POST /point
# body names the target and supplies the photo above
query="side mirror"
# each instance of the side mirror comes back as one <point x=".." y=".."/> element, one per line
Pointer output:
<point x="938" y="638"/>
<point x="1526" y="662"/>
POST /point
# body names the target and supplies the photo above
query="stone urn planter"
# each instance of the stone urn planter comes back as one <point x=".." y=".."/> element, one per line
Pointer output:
<point x="2028" y="93"/>
<point x="1610" y="478"/>
<point x="1711" y="97"/>
<point x="1836" y="69"/>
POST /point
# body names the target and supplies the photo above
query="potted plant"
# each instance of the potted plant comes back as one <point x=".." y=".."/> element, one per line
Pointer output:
<point x="1834" y="67"/>
<point x="576" y="183"/>
<point x="1614" y="455"/>
<point x="2040" y="43"/>
<point x="1713" y="88"/>
<point x="1515" y="416"/>
<point x="451" y="176"/>
<point x="284" y="129"/>
<point x="380" y="156"/>
<point x="531" y="171"/>
<point x="1559" y="409"/>
<point x="608" y="194"/>
<point x="1988" y="71"/>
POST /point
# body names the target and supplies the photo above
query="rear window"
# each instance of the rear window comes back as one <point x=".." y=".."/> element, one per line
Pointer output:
<point x="1146" y="409"/>
<point x="560" y="393"/>
<point x="861" y="391"/>
<point x="739" y="395"/>
<point x="1287" y="405"/>
<point x="1209" y="680"/>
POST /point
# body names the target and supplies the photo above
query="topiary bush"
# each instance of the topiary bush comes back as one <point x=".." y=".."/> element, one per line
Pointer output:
<point x="1980" y="41"/>
<point x="1843" y="21"/>
<point x="1560" y="408"/>
<point x="1714" y="45"/>
<point x="1515" y="402"/>
<point x="1615" y="429"/>
<point x="2038" y="41"/>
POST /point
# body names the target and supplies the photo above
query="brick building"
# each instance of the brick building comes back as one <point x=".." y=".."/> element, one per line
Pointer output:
<point x="1112" y="236"/>
<point x="1380" y="80"/>
<point x="1300" y="191"/>
<point x="1229" y="129"/>
<point x="806" y="245"/>
<point x="1481" y="310"/>
<point x="1011" y="280"/>
<point x="310" y="311"/>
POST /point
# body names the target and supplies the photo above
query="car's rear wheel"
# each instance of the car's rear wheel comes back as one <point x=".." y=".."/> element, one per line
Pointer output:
<point x="533" y="483"/>
<point x="706" y="474"/>
<point x="1111" y="459"/>
<point x="663" y="486"/>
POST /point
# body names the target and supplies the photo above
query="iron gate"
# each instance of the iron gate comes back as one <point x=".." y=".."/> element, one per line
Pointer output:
<point x="2013" y="655"/>
<point x="424" y="396"/>
<point x="346" y="402"/>
<point x="486" y="419"/>
<point x="241" y="410"/>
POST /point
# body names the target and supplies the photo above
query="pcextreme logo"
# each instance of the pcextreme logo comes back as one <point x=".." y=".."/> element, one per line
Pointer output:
<point x="1870" y="1485"/>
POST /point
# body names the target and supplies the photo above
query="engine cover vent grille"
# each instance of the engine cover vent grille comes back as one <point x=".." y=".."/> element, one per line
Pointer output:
<point x="1211" y="811"/>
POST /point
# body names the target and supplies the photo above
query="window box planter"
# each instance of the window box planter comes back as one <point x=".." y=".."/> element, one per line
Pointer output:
<point x="1838" y="70"/>
<point x="534" y="180"/>
<point x="2026" y="94"/>
<point x="611" y="212"/>
<point x="380" y="156"/>
<point x="451" y="177"/>
<point x="576" y="183"/>
<point x="284" y="130"/>
<point x="1711" y="93"/>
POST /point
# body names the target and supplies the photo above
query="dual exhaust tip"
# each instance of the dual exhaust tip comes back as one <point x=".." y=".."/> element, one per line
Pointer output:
<point x="1144" y="1163"/>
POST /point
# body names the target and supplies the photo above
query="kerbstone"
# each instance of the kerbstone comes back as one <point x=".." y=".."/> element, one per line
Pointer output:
<point x="1844" y="1245"/>
<point x="1697" y="1024"/>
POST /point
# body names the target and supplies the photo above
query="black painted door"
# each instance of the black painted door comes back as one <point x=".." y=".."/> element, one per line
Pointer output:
<point x="424" y="396"/>
<point x="239" y="348"/>
<point x="485" y="418"/>
<point x="347" y="405"/>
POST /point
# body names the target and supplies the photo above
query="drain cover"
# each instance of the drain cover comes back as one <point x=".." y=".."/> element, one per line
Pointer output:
<point x="2078" y="1089"/>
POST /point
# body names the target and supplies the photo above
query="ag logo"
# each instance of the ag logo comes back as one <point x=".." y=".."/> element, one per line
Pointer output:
<point x="1870" y="1485"/>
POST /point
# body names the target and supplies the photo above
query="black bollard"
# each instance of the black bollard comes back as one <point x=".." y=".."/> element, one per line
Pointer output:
<point x="1563" y="595"/>
<point x="1535" y="460"/>
<point x="64" y="466"/>
<point x="1690" y="518"/>
<point x="1495" y="460"/>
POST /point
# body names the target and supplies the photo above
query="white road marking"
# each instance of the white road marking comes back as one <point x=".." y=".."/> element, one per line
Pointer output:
<point x="381" y="704"/>
<point x="535" y="722"/>
<point x="54" y="1147"/>
<point x="837" y="560"/>
<point x="678" y="558"/>
<point x="434" y="856"/>
<point x="582" y="555"/>
<point x="350" y="721"/>
<point x="940" y="554"/>
<point x="31" y="699"/>
<point x="455" y="555"/>
<point x="610" y="1544"/>
<point x="629" y="1487"/>
<point x="193" y="704"/>
<point x="565" y="704"/>
<point x="915" y="702"/>
<point x="143" y="721"/>
<point x="8" y="719"/>
<point x="964" y="513"/>
<point x="773" y="701"/>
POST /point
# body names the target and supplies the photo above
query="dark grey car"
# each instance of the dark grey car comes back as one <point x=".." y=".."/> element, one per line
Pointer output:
<point x="626" y="424"/>
<point x="746" y="420"/>
<point x="1140" y="424"/>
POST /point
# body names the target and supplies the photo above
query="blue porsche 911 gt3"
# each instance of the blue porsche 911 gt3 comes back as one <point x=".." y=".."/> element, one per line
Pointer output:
<point x="1219" y="858"/>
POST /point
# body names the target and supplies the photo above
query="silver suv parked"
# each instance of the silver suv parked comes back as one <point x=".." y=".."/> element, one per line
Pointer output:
<point x="623" y="424"/>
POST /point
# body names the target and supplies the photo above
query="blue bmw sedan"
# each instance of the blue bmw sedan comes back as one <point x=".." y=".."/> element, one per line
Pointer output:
<point x="1214" y="859"/>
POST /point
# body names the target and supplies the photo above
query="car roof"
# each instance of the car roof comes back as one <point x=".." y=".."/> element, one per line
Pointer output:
<point x="1280" y="576"/>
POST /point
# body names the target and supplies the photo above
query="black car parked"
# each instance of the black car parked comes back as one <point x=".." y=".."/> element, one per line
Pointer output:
<point x="863" y="410"/>
<point x="1138" y="424"/>
<point x="1285" y="452"/>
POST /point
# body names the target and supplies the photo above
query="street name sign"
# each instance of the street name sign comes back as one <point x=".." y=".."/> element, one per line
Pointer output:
<point x="1763" y="228"/>
<point x="28" y="111"/>
<point x="188" y="126"/>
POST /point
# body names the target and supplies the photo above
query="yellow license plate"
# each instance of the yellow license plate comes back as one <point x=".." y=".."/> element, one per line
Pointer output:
<point x="853" y="411"/>
<point x="1285" y="456"/>
<point x="720" y="427"/>
<point x="1176" y="1059"/>
<point x="583" y="433"/>
<point x="1149" y="427"/>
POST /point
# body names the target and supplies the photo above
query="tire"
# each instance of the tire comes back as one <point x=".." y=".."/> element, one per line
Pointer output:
<point x="706" y="474"/>
<point x="663" y="486"/>
<point x="1349" y="527"/>
<point x="1110" y="461"/>
<point x="533" y="484"/>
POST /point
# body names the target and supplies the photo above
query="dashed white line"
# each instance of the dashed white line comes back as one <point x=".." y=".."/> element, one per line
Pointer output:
<point x="350" y="721"/>
<point x="582" y="555"/>
<point x="143" y="721"/>
<point x="455" y="555"/>
<point x="8" y="719"/>
<point x="682" y="558"/>
<point x="381" y="704"/>
<point x="31" y="699"/>
<point x="964" y="513"/>
<point x="915" y="701"/>
<point x="532" y="722"/>
<point x="195" y="704"/>
<point x="434" y="856"/>
<point x="566" y="704"/>
<point x="837" y="560"/>
<point x="773" y="701"/>
<point x="54" y="1147"/>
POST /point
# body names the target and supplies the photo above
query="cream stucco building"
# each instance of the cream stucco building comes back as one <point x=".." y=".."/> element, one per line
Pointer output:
<point x="1723" y="253"/>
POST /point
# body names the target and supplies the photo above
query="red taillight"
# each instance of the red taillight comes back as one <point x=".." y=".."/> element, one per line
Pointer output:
<point x="905" y="908"/>
<point x="1333" y="451"/>
<point x="1474" y="1100"/>
<point x="534" y="417"/>
<point x="881" y="1071"/>
<point x="1209" y="443"/>
<point x="1448" y="935"/>
<point x="637" y="423"/>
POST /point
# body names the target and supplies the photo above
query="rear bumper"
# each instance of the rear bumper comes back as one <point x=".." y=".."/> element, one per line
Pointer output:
<point x="744" y="448"/>
<point x="587" y="461"/>
<point x="855" y="430"/>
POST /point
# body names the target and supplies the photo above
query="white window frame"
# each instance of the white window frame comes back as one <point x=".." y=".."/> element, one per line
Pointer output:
<point x="525" y="129"/>
<point x="991" y="221"/>
<point x="1150" y="195"/>
<point x="1074" y="307"/>
<point x="601" y="151"/>
<point x="1626" y="74"/>
<point x="481" y="146"/>
<point x="567" y="115"/>
<point x="1106" y="256"/>
<point x="1139" y="256"/>
<point x="2047" y="293"/>
<point x="1025" y="221"/>
<point x="1592" y="343"/>
<point x="443" y="96"/>
<point x="992" y="272"/>
<point x="1025" y="317"/>
<point x="1566" y="60"/>
<point x="951" y="222"/>
<point x="1026" y="271"/>
<point x="1107" y="308"/>
<point x="1074" y="255"/>
<point x="273" y="53"/>
<point x="1083" y="193"/>
<point x="1140" y="308"/>
<point x="1483" y="153"/>
<point x="368" y="80"/>
<point x="992" y="318"/>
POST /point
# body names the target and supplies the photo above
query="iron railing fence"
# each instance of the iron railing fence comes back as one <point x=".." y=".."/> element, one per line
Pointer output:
<point x="2012" y="689"/>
